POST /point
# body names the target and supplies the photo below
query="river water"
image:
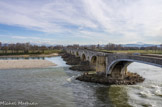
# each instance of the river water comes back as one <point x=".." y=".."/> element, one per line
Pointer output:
<point x="56" y="87"/>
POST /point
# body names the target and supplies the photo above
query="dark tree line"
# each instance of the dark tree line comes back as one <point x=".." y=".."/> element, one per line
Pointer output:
<point x="112" y="46"/>
<point x="25" y="48"/>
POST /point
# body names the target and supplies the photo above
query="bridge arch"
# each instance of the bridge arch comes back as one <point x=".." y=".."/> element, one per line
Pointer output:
<point x="120" y="65"/>
<point x="77" y="53"/>
<point x="83" y="57"/>
<point x="93" y="60"/>
<point x="73" y="53"/>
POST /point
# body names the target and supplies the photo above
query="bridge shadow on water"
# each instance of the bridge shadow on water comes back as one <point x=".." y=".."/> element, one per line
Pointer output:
<point x="98" y="95"/>
<point x="112" y="96"/>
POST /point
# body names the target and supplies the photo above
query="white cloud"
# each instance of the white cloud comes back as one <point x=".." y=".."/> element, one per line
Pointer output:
<point x="125" y="15"/>
<point x="25" y="37"/>
<point x="51" y="17"/>
<point x="132" y="19"/>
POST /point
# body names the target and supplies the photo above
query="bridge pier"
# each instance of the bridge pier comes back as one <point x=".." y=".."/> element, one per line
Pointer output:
<point x="101" y="64"/>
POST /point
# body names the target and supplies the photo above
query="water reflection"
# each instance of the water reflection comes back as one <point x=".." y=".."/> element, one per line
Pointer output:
<point x="112" y="96"/>
<point x="102" y="94"/>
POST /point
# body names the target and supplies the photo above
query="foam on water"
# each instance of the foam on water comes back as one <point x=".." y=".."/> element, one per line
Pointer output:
<point x="148" y="93"/>
<point x="71" y="78"/>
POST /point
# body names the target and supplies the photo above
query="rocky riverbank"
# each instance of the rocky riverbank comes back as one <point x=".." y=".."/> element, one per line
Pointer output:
<point x="129" y="79"/>
<point x="77" y="64"/>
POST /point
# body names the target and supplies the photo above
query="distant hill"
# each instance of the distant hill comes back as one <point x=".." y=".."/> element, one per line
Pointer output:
<point x="138" y="45"/>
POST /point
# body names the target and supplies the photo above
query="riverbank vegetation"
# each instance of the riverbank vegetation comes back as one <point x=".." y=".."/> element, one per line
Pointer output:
<point x="33" y="49"/>
<point x="132" y="51"/>
<point x="27" y="49"/>
<point x="117" y="48"/>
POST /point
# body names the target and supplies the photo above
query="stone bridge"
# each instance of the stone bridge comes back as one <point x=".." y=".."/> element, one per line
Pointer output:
<point x="113" y="64"/>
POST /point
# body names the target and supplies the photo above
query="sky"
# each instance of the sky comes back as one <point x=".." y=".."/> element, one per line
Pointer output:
<point x="81" y="21"/>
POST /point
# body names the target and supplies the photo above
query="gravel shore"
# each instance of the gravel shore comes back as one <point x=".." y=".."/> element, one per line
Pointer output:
<point x="15" y="64"/>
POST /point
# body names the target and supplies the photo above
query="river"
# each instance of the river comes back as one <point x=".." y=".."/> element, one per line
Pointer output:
<point x="56" y="87"/>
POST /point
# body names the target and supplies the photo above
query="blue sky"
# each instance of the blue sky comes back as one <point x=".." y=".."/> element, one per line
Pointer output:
<point x="81" y="21"/>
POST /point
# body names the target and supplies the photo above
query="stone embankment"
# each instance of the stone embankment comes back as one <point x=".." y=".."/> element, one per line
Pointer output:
<point x="77" y="64"/>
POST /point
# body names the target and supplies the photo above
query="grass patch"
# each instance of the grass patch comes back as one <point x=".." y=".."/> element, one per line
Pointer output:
<point x="133" y="51"/>
<point x="36" y="52"/>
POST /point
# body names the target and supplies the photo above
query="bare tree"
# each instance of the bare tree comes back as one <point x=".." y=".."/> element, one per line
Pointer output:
<point x="160" y="46"/>
<point x="5" y="48"/>
<point x="11" y="47"/>
<point x="27" y="47"/>
<point x="43" y="48"/>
